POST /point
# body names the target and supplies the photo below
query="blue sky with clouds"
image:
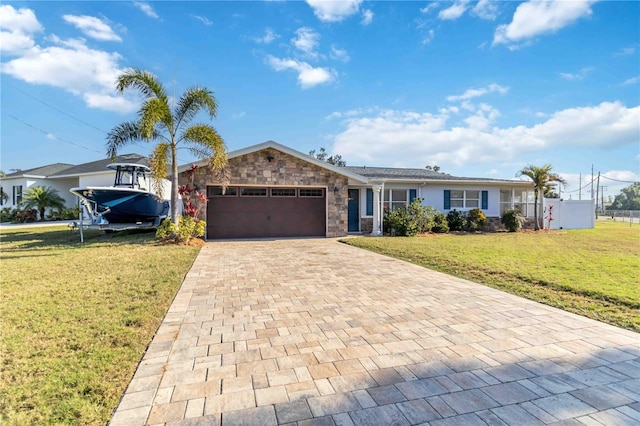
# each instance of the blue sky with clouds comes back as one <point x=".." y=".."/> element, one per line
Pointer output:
<point x="479" y="88"/>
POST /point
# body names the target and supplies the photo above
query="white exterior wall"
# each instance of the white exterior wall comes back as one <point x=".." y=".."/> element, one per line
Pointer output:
<point x="433" y="195"/>
<point x="569" y="214"/>
<point x="7" y="187"/>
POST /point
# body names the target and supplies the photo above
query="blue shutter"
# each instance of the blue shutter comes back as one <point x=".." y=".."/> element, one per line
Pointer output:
<point x="447" y="199"/>
<point x="412" y="195"/>
<point x="485" y="200"/>
<point x="369" y="202"/>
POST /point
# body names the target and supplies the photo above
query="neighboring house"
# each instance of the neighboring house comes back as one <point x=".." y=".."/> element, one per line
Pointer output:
<point x="14" y="184"/>
<point x="275" y="191"/>
<point x="63" y="177"/>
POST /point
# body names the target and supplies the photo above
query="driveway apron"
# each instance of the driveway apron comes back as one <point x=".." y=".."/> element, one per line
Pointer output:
<point x="315" y="332"/>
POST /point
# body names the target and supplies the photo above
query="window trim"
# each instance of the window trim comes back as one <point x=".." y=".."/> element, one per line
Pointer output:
<point x="301" y="194"/>
<point x="271" y="194"/>
<point x="253" y="188"/>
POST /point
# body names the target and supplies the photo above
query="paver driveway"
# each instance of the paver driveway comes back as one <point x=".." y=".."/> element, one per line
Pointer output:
<point x="317" y="332"/>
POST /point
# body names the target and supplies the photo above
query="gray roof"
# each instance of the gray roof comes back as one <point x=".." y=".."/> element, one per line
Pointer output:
<point x="389" y="173"/>
<point x="41" y="171"/>
<point x="100" y="166"/>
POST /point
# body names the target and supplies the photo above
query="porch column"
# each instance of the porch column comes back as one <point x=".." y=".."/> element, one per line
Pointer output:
<point x="377" y="213"/>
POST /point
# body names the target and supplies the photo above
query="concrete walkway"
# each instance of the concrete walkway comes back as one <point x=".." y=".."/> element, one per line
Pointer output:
<point x="316" y="332"/>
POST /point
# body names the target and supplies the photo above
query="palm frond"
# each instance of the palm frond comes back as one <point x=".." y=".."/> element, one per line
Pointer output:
<point x="153" y="112"/>
<point x="159" y="163"/>
<point x="123" y="134"/>
<point x="193" y="101"/>
<point x="143" y="81"/>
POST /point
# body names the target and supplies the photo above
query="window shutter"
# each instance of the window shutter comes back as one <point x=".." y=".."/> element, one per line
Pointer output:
<point x="369" y="202"/>
<point x="485" y="200"/>
<point x="447" y="199"/>
<point x="412" y="195"/>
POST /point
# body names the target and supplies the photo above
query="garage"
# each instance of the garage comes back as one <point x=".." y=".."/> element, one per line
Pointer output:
<point x="262" y="212"/>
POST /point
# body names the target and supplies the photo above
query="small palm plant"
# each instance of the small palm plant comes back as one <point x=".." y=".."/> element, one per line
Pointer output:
<point x="41" y="197"/>
<point x="542" y="178"/>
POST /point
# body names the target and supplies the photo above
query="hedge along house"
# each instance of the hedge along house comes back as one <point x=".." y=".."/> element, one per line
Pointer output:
<point x="275" y="191"/>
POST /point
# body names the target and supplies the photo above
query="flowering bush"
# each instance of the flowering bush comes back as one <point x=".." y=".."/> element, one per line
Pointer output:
<point x="549" y="216"/>
<point x="190" y="225"/>
<point x="476" y="220"/>
<point x="513" y="220"/>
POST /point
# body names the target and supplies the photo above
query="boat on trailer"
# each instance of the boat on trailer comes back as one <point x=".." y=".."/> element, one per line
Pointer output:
<point x="128" y="204"/>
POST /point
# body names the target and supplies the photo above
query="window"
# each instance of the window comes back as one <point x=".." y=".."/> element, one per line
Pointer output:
<point x="311" y="193"/>
<point x="216" y="191"/>
<point x="369" y="202"/>
<point x="17" y="195"/>
<point x="466" y="199"/>
<point x="505" y="201"/>
<point x="253" y="192"/>
<point x="283" y="192"/>
<point x="396" y="198"/>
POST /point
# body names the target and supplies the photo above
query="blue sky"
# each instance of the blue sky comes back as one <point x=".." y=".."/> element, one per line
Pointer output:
<point x="481" y="89"/>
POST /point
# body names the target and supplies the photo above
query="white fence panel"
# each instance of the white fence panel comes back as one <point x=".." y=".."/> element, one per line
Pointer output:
<point x="570" y="214"/>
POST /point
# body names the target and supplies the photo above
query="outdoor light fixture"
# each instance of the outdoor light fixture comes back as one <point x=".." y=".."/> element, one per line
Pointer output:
<point x="270" y="158"/>
<point x="335" y="190"/>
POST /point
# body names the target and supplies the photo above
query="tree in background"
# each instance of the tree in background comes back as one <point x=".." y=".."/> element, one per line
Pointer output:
<point x="323" y="155"/>
<point x="435" y="168"/>
<point x="542" y="178"/>
<point x="41" y="197"/>
<point x="169" y="125"/>
<point x="628" y="199"/>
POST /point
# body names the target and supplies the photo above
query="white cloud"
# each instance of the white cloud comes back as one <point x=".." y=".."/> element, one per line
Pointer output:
<point x="17" y="26"/>
<point x="393" y="136"/>
<point x="486" y="9"/>
<point x="576" y="76"/>
<point x="538" y="17"/>
<point x="334" y="10"/>
<point x="308" y="76"/>
<point x="67" y="64"/>
<point x="454" y="11"/>
<point x="428" y="8"/>
<point x="268" y="37"/>
<point x="307" y="41"/>
<point x="474" y="93"/>
<point x="146" y="9"/>
<point x="238" y="115"/>
<point x="367" y="17"/>
<point x="625" y="51"/>
<point x="631" y="81"/>
<point x="339" y="54"/>
<point x="206" y="21"/>
<point x="92" y="27"/>
<point x="428" y="38"/>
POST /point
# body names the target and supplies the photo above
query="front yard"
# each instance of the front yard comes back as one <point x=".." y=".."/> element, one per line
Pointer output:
<point x="593" y="272"/>
<point x="75" y="319"/>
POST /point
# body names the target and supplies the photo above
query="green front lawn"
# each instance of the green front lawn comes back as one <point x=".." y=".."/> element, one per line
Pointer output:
<point x="593" y="272"/>
<point x="75" y="319"/>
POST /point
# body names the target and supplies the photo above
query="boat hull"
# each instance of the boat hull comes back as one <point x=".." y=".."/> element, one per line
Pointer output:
<point x="121" y="205"/>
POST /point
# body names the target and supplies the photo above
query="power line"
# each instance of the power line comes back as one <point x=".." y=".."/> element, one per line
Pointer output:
<point x="618" y="180"/>
<point x="59" y="110"/>
<point x="49" y="134"/>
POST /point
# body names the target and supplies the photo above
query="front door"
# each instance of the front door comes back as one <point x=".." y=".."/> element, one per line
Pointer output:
<point x="354" y="210"/>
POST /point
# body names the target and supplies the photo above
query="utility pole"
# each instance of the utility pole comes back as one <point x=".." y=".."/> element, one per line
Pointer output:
<point x="592" y="182"/>
<point x="580" y="188"/>
<point x="597" y="192"/>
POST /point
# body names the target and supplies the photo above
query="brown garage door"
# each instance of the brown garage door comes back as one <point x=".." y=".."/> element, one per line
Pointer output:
<point x="253" y="212"/>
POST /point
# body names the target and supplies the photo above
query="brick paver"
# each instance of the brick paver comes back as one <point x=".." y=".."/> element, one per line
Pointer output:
<point x="316" y="332"/>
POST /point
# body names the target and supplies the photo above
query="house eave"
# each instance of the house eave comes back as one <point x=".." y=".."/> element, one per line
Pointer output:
<point x="288" y="151"/>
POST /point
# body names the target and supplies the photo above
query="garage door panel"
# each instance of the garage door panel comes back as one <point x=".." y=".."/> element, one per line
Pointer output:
<point x="255" y="217"/>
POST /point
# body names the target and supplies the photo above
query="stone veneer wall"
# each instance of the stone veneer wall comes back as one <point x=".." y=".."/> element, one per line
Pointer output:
<point x="366" y="225"/>
<point x="494" y="224"/>
<point x="284" y="170"/>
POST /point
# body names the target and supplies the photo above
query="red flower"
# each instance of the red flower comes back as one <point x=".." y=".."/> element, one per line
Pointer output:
<point x="202" y="197"/>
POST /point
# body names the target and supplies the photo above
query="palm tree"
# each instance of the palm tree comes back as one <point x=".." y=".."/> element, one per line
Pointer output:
<point x="168" y="125"/>
<point x="41" y="197"/>
<point x="542" y="178"/>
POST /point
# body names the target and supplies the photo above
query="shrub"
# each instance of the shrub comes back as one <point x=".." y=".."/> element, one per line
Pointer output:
<point x="65" y="214"/>
<point x="29" y="215"/>
<point x="409" y="220"/>
<point x="440" y="224"/>
<point x="187" y="228"/>
<point x="457" y="221"/>
<point x="512" y="220"/>
<point x="8" y="214"/>
<point x="476" y="220"/>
